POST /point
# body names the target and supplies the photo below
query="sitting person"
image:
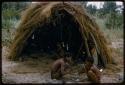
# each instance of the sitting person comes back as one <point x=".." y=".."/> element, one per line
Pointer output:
<point x="60" y="67"/>
<point x="91" y="70"/>
<point x="60" y="50"/>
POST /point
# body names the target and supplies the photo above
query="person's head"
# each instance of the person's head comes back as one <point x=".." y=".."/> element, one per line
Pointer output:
<point x="67" y="57"/>
<point x="89" y="61"/>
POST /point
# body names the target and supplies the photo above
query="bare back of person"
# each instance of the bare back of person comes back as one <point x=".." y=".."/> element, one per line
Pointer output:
<point x="94" y="74"/>
<point x="58" y="68"/>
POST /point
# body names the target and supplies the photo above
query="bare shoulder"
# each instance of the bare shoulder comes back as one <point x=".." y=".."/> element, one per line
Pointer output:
<point x="57" y="61"/>
<point x="61" y="61"/>
<point x="94" y="67"/>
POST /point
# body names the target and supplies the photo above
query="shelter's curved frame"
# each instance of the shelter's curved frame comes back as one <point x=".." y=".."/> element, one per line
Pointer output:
<point x="39" y="13"/>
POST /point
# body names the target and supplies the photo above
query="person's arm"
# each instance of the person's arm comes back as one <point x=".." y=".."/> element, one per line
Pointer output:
<point x="93" y="77"/>
<point x="96" y="71"/>
<point x="62" y="68"/>
<point x="67" y="65"/>
<point x="68" y="68"/>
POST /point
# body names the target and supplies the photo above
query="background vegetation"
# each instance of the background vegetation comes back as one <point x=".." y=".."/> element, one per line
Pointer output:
<point x="109" y="18"/>
<point x="11" y="12"/>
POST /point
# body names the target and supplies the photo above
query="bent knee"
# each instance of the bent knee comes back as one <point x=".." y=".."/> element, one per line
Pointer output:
<point x="90" y="72"/>
<point x="92" y="76"/>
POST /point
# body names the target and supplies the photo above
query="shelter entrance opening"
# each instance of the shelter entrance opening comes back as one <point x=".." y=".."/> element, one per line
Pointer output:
<point x="60" y="33"/>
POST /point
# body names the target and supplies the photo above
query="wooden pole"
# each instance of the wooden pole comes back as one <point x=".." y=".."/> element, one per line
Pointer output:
<point x="98" y="52"/>
<point x="87" y="47"/>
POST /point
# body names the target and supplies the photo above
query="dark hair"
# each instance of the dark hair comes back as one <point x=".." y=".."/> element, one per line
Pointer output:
<point x="90" y="59"/>
<point x="67" y="54"/>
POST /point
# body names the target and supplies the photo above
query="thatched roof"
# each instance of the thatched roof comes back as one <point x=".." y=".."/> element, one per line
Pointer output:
<point x="39" y="13"/>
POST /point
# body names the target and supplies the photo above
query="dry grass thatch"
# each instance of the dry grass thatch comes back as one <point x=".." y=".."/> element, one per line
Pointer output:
<point x="39" y="13"/>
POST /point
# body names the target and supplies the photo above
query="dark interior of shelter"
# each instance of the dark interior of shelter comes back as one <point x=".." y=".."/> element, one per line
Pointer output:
<point x="59" y="29"/>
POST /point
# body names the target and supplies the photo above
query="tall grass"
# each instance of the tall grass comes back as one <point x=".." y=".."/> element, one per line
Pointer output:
<point x="8" y="29"/>
<point x="110" y="34"/>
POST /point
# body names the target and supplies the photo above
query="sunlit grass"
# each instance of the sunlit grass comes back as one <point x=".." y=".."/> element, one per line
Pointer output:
<point x="110" y="34"/>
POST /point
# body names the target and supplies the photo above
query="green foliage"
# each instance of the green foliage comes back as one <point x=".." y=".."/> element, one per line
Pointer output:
<point x="109" y="7"/>
<point x="114" y="21"/>
<point x="6" y="24"/>
<point x="11" y="12"/>
<point x="84" y="3"/>
<point x="101" y="23"/>
<point x="110" y="13"/>
<point x="10" y="16"/>
<point x="110" y="34"/>
<point x="91" y="9"/>
<point x="6" y="36"/>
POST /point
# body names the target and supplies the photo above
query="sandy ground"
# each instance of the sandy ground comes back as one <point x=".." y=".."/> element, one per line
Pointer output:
<point x="37" y="70"/>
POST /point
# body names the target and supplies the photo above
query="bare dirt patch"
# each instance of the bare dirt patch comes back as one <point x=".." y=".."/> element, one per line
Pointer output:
<point x="37" y="70"/>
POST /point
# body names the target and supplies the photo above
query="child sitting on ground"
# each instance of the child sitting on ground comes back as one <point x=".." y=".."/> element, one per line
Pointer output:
<point x="60" y="67"/>
<point x="91" y="70"/>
